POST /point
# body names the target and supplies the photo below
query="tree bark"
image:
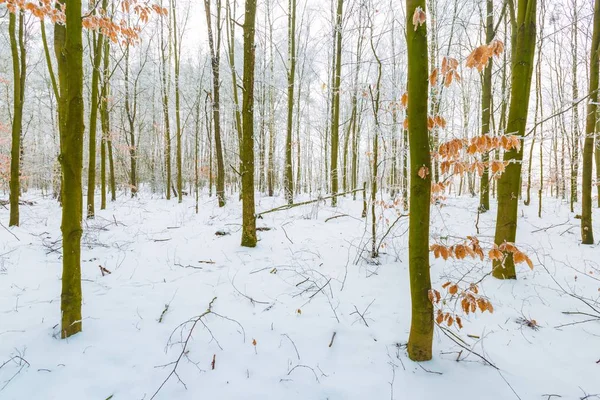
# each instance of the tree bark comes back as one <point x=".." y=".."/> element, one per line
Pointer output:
<point x="524" y="35"/>
<point x="72" y="164"/>
<point x="215" y="49"/>
<point x="288" y="182"/>
<point x="587" y="233"/>
<point x="19" y="64"/>
<point x="421" y="329"/>
<point x="248" y="209"/>
<point x="486" y="109"/>
<point x="335" y="102"/>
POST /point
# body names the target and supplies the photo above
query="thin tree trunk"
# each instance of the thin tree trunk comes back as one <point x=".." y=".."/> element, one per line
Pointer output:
<point x="18" y="54"/>
<point x="288" y="182"/>
<point x="178" y="132"/>
<point x="335" y="103"/>
<point x="215" y="49"/>
<point x="104" y="119"/>
<point x="165" y="104"/>
<point x="486" y="110"/>
<point x="97" y="58"/>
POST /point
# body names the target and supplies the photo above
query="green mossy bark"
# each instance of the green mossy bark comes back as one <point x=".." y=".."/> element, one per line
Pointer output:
<point x="94" y="104"/>
<point x="486" y="107"/>
<point x="72" y="164"/>
<point x="509" y="184"/>
<point x="421" y="328"/>
<point x="335" y="103"/>
<point x="18" y="54"/>
<point x="247" y="157"/>
<point x="587" y="233"/>
<point x="288" y="181"/>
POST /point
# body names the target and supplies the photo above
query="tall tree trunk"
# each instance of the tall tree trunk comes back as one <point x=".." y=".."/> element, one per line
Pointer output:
<point x="104" y="119"/>
<point x="335" y="103"/>
<point x="524" y="35"/>
<point x="97" y="58"/>
<point x="18" y="53"/>
<point x="165" y="104"/>
<point x="231" y="45"/>
<point x="248" y="210"/>
<point x="215" y="49"/>
<point x="421" y="329"/>
<point x="288" y="182"/>
<point x="72" y="164"/>
<point x="178" y="132"/>
<point x="486" y="109"/>
<point x="131" y="112"/>
<point x="587" y="234"/>
<point x="575" y="124"/>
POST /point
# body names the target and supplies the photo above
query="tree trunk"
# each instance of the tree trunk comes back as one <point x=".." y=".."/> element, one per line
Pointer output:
<point x="335" y="102"/>
<point x="97" y="58"/>
<point x="575" y="124"/>
<point x="72" y="164"/>
<point x="178" y="132"/>
<point x="248" y="218"/>
<point x="524" y="35"/>
<point x="215" y="49"/>
<point x="587" y="234"/>
<point x="104" y="120"/>
<point x="165" y="104"/>
<point x="421" y="329"/>
<point x="486" y="109"/>
<point x="19" y="64"/>
<point x="288" y="182"/>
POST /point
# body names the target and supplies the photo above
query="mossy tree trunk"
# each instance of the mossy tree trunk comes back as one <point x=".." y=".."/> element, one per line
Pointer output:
<point x="421" y="329"/>
<point x="72" y="164"/>
<point x="164" y="64"/>
<point x="247" y="156"/>
<point x="288" y="182"/>
<point x="524" y="35"/>
<point x="18" y="53"/>
<point x="486" y="109"/>
<point x="98" y="49"/>
<point x="587" y="234"/>
<point x="335" y="102"/>
<point x="104" y="121"/>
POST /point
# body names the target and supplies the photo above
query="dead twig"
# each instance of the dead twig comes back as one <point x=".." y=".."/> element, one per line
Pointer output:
<point x="332" y="338"/>
<point x="183" y="352"/>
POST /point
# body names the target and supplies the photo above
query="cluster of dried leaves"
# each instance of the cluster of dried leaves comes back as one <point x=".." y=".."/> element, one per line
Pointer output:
<point x="507" y="248"/>
<point x="470" y="301"/>
<point x="419" y="17"/>
<point x="448" y="72"/>
<point x="117" y="29"/>
<point x="454" y="148"/>
<point x="481" y="55"/>
<point x="471" y="247"/>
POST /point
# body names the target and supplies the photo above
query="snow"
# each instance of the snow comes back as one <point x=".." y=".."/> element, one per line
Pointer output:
<point x="304" y="281"/>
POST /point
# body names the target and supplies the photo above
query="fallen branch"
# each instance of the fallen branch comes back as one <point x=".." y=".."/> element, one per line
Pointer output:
<point x="175" y="363"/>
<point x="288" y="206"/>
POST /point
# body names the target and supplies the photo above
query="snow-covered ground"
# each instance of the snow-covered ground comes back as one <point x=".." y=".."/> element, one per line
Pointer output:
<point x="275" y="308"/>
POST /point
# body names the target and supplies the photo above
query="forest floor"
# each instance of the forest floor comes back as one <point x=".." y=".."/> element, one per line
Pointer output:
<point x="307" y="314"/>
